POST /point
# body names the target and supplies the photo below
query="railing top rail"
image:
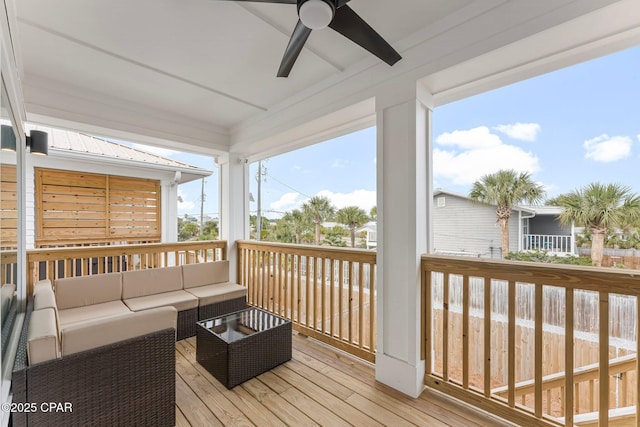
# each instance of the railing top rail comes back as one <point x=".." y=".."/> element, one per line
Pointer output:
<point x="45" y="254"/>
<point x="347" y="254"/>
<point x="8" y="257"/>
<point x="619" y="281"/>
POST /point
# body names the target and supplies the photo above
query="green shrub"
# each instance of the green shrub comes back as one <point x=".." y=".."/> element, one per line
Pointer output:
<point x="545" y="257"/>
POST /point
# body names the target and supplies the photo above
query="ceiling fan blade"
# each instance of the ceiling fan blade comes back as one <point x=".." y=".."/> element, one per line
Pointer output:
<point x="296" y="43"/>
<point x="352" y="26"/>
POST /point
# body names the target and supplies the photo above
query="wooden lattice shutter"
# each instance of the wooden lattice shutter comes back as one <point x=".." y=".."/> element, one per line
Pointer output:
<point x="75" y="207"/>
<point x="8" y="207"/>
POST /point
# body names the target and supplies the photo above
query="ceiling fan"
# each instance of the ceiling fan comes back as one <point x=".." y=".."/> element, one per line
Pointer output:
<point x="335" y="14"/>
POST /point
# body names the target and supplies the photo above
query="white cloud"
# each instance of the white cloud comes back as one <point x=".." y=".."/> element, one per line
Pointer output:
<point x="339" y="163"/>
<point x="521" y="131"/>
<point x="364" y="199"/>
<point x="287" y="202"/>
<point x="158" y="151"/>
<point x="477" y="152"/>
<point x="607" y="149"/>
<point x="184" y="205"/>
<point x="479" y="137"/>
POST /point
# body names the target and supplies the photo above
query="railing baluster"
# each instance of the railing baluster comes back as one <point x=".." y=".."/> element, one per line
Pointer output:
<point x="372" y="307"/>
<point x="568" y="358"/>
<point x="487" y="336"/>
<point x="270" y="303"/>
<point x="465" y="331"/>
<point x="340" y="296"/>
<point x="360" y="304"/>
<point x="315" y="293"/>
<point x="445" y="326"/>
<point x="427" y="295"/>
<point x="603" y="380"/>
<point x="511" y="343"/>
<point x="323" y="305"/>
<point x="308" y="293"/>
<point x="350" y="312"/>
<point x="332" y="296"/>
<point x="538" y="333"/>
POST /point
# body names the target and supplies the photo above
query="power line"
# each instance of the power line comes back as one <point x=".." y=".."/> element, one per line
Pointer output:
<point x="287" y="185"/>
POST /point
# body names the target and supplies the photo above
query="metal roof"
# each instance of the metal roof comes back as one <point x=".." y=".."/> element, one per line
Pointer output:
<point x="64" y="142"/>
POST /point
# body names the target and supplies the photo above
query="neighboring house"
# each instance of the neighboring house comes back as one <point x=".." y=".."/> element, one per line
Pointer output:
<point x="371" y="229"/>
<point x="464" y="227"/>
<point x="92" y="191"/>
<point x="543" y="231"/>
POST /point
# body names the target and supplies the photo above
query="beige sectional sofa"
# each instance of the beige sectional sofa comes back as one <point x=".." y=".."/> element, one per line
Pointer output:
<point x="84" y="336"/>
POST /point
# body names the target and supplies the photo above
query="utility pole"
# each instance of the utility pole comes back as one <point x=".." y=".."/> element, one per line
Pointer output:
<point x="261" y="172"/>
<point x="258" y="218"/>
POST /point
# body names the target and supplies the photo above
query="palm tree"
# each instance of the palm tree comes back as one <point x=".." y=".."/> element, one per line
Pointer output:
<point x="505" y="189"/>
<point x="319" y="210"/>
<point x="600" y="207"/>
<point x="298" y="223"/>
<point x="353" y="217"/>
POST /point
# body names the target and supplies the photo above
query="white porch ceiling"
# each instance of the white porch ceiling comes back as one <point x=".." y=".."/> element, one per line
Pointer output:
<point x="201" y="74"/>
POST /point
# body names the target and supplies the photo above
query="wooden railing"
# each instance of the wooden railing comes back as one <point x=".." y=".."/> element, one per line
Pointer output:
<point x="8" y="267"/>
<point x="622" y="368"/>
<point x="53" y="263"/>
<point x="327" y="293"/>
<point x="495" y="331"/>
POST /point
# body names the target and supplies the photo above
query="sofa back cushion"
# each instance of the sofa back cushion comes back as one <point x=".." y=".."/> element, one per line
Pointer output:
<point x="205" y="273"/>
<point x="140" y="283"/>
<point x="88" y="290"/>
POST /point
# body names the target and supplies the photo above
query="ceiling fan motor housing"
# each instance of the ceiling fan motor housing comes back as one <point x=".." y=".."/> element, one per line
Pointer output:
<point x="316" y="14"/>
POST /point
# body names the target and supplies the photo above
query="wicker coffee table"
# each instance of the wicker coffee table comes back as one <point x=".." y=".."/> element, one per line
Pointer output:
<point x="241" y="345"/>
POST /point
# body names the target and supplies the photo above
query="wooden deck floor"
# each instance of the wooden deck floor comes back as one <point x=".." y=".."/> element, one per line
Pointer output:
<point x="317" y="387"/>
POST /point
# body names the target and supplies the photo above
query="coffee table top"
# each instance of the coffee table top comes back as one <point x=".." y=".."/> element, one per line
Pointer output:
<point x="241" y="324"/>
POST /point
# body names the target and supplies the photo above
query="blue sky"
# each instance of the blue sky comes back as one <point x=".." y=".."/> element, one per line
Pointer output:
<point x="567" y="128"/>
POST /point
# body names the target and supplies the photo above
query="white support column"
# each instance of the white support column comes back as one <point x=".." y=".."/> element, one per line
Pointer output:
<point x="234" y="205"/>
<point x="169" y="211"/>
<point x="404" y="194"/>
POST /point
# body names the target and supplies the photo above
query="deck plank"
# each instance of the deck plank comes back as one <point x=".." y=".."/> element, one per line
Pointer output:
<point x="247" y="404"/>
<point x="332" y="403"/>
<point x="319" y="386"/>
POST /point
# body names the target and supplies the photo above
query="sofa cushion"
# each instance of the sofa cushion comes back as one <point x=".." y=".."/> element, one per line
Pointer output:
<point x="181" y="300"/>
<point x="101" y="332"/>
<point x="43" y="297"/>
<point x="211" y="294"/>
<point x="206" y="273"/>
<point x="91" y="312"/>
<point x="88" y="290"/>
<point x="45" y="283"/>
<point x="140" y="283"/>
<point x="42" y="336"/>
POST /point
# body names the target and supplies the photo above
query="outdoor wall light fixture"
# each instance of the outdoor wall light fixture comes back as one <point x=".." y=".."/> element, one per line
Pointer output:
<point x="8" y="139"/>
<point x="38" y="141"/>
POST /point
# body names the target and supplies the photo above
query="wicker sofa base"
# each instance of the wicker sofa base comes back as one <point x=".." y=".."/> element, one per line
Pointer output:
<point x="187" y="323"/>
<point x="221" y="308"/>
<point x="128" y="383"/>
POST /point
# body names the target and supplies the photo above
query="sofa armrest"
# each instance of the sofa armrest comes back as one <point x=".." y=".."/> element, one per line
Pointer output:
<point x="101" y="332"/>
<point x="42" y="336"/>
